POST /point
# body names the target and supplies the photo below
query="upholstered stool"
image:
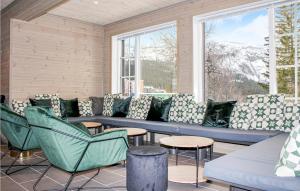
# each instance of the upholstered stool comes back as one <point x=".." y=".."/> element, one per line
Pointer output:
<point x="147" y="168"/>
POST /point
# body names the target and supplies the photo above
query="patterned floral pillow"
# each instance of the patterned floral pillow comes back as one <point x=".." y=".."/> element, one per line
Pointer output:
<point x="291" y="116"/>
<point x="196" y="112"/>
<point x="19" y="106"/>
<point x="268" y="111"/>
<point x="241" y="116"/>
<point x="179" y="111"/>
<point x="108" y="104"/>
<point x="289" y="162"/>
<point x="139" y="107"/>
<point x="55" y="102"/>
<point x="85" y="107"/>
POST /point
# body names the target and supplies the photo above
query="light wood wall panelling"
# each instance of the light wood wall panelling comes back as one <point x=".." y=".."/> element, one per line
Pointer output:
<point x="23" y="10"/>
<point x="182" y="13"/>
<point x="53" y="54"/>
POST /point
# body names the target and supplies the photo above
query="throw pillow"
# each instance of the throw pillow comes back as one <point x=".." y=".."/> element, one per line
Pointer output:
<point x="267" y="113"/>
<point x="41" y="103"/>
<point x="54" y="102"/>
<point x="97" y="105"/>
<point x="241" y="116"/>
<point x="197" y="112"/>
<point x="121" y="107"/>
<point x="289" y="162"/>
<point x="108" y="103"/>
<point x="69" y="108"/>
<point x="218" y="113"/>
<point x="165" y="109"/>
<point x="179" y="108"/>
<point x="291" y="116"/>
<point x="159" y="109"/>
<point x="85" y="108"/>
<point x="19" y="106"/>
<point x="139" y="107"/>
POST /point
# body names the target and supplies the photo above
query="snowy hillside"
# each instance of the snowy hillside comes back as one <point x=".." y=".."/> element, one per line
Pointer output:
<point x="240" y="59"/>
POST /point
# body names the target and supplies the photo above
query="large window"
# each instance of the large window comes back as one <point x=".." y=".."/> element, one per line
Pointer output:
<point x="251" y="50"/>
<point x="147" y="61"/>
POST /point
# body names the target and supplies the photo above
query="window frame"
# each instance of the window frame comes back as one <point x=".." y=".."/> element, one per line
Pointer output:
<point x="199" y="44"/>
<point x="116" y="86"/>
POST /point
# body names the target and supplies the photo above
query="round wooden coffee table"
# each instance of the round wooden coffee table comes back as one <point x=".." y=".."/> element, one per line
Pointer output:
<point x="183" y="173"/>
<point x="93" y="125"/>
<point x="135" y="133"/>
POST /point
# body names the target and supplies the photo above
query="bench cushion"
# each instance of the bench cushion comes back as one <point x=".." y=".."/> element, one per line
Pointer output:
<point x="219" y="134"/>
<point x="253" y="167"/>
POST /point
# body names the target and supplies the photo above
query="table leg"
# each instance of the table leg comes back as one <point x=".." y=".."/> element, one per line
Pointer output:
<point x="197" y="166"/>
<point x="152" y="138"/>
<point x="176" y="153"/>
<point x="211" y="152"/>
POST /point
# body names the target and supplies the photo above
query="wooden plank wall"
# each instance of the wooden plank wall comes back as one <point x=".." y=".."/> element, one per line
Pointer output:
<point x="183" y="14"/>
<point x="53" y="54"/>
<point x="23" y="10"/>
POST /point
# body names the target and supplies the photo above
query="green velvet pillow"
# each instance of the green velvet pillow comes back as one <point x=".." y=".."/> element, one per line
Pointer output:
<point x="41" y="103"/>
<point x="69" y="108"/>
<point x="218" y="113"/>
<point x="159" y="109"/>
<point x="121" y="107"/>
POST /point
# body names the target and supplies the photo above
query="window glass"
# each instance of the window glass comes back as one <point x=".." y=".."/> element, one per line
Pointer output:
<point x="158" y="61"/>
<point x="236" y="65"/>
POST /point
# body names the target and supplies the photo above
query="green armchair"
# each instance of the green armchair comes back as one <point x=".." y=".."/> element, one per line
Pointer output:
<point x="73" y="149"/>
<point x="18" y="133"/>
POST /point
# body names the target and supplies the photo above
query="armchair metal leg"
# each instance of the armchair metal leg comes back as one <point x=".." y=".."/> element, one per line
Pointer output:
<point x="40" y="178"/>
<point x="12" y="164"/>
<point x="24" y="165"/>
<point x="89" y="179"/>
<point x="69" y="181"/>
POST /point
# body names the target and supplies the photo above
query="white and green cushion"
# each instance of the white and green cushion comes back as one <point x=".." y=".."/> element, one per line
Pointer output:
<point x="196" y="112"/>
<point x="108" y="104"/>
<point x="85" y="107"/>
<point x="19" y="106"/>
<point x="139" y="107"/>
<point x="55" y="102"/>
<point x="240" y="116"/>
<point x="289" y="162"/>
<point x="291" y="116"/>
<point x="179" y="110"/>
<point x="268" y="111"/>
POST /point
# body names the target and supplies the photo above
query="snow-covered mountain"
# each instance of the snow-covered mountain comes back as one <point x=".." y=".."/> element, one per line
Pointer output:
<point x="240" y="59"/>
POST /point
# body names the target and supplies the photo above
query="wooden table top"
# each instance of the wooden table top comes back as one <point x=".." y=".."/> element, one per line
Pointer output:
<point x="92" y="124"/>
<point x="186" y="141"/>
<point x="130" y="131"/>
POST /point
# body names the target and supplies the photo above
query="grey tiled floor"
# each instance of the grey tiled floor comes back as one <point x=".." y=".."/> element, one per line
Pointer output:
<point x="111" y="178"/>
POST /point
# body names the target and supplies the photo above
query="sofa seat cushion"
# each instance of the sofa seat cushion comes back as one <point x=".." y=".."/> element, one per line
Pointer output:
<point x="227" y="134"/>
<point x="253" y="167"/>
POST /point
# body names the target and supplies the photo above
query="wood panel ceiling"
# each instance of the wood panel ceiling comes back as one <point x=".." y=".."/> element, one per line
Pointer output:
<point x="108" y="11"/>
<point x="5" y="3"/>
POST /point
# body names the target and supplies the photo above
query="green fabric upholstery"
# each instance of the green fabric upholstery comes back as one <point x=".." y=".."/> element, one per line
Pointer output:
<point x="65" y="144"/>
<point x="15" y="128"/>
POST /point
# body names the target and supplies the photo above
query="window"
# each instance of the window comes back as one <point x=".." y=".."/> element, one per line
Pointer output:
<point x="248" y="50"/>
<point x="147" y="61"/>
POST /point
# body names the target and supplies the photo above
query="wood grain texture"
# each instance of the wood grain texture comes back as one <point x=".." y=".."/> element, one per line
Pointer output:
<point x="183" y="14"/>
<point x="52" y="54"/>
<point x="23" y="10"/>
<point x="108" y="11"/>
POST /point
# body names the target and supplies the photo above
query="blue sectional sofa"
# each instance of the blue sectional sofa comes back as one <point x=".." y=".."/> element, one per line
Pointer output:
<point x="253" y="168"/>
<point x="219" y="134"/>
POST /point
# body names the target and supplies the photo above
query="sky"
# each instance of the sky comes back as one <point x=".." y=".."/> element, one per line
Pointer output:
<point x="248" y="28"/>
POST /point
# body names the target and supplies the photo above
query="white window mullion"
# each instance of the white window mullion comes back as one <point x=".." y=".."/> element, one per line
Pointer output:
<point x="198" y="60"/>
<point x="137" y="66"/>
<point x="272" y="52"/>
